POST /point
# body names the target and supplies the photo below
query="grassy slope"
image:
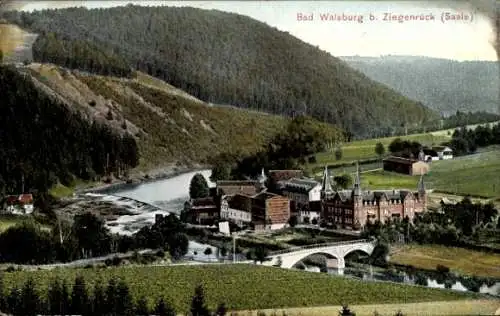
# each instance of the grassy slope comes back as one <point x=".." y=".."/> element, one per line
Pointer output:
<point x="246" y="286"/>
<point x="466" y="307"/>
<point x="474" y="174"/>
<point x="173" y="127"/>
<point x="429" y="256"/>
<point x="365" y="149"/>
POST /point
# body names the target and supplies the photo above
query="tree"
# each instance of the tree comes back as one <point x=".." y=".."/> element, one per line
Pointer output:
<point x="178" y="245"/>
<point x="164" y="309"/>
<point x="29" y="299"/>
<point x="141" y="307"/>
<point x="1" y="56"/>
<point x="198" y="187"/>
<point x="221" y="310"/>
<point x="55" y="297"/>
<point x="14" y="302"/>
<point x="343" y="181"/>
<point x="293" y="221"/>
<point x="98" y="300"/>
<point x="346" y="311"/>
<point x="396" y="145"/>
<point x="220" y="171"/>
<point x="65" y="299"/>
<point x="125" y="305"/>
<point x="260" y="254"/>
<point x="79" y="297"/>
<point x="111" y="297"/>
<point x="208" y="251"/>
<point x="198" y="307"/>
<point x="379" y="149"/>
<point x="92" y="236"/>
<point x="338" y="153"/>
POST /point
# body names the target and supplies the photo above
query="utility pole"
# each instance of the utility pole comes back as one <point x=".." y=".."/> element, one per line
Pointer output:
<point x="234" y="248"/>
<point x="60" y="230"/>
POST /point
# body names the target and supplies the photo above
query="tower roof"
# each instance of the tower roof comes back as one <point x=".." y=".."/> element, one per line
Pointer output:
<point x="357" y="181"/>
<point x="326" y="185"/>
<point x="262" y="178"/>
<point x="421" y="184"/>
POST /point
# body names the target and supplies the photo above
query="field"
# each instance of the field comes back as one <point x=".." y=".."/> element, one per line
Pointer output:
<point x="466" y="307"/>
<point x="460" y="260"/>
<point x="365" y="149"/>
<point x="473" y="174"/>
<point x="244" y="287"/>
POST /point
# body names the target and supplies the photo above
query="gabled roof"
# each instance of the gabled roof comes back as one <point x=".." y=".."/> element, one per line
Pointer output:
<point x="247" y="187"/>
<point x="239" y="202"/>
<point x="264" y="196"/>
<point x="202" y="202"/>
<point x="299" y="185"/>
<point x="407" y="161"/>
<point x="441" y="148"/>
<point x="26" y="198"/>
<point x="280" y="175"/>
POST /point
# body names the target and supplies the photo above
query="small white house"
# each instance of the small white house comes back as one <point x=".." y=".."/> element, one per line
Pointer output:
<point x="302" y="191"/>
<point x="19" y="204"/>
<point x="235" y="209"/>
<point x="443" y="152"/>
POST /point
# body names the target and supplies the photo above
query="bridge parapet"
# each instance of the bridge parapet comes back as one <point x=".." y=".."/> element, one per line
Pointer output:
<point x="320" y="245"/>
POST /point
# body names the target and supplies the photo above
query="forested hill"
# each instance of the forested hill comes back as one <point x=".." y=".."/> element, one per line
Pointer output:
<point x="43" y="141"/>
<point x="223" y="58"/>
<point x="443" y="85"/>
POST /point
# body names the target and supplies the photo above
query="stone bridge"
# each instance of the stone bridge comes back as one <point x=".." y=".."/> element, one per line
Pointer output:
<point x="287" y="258"/>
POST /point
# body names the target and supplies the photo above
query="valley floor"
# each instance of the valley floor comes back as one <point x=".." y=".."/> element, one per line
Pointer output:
<point x="459" y="260"/>
<point x="468" y="307"/>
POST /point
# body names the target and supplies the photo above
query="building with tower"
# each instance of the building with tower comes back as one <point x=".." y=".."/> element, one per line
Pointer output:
<point x="352" y="209"/>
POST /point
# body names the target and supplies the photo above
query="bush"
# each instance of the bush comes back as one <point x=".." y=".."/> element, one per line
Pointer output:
<point x="92" y="103"/>
<point x="442" y="269"/>
<point x="160" y="254"/>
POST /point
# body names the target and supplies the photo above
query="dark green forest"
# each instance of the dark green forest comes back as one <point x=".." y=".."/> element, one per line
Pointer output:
<point x="43" y="141"/>
<point x="75" y="54"/>
<point x="249" y="64"/>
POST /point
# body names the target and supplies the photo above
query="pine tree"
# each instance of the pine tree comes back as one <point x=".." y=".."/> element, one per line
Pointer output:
<point x="198" y="188"/>
<point x="125" y="305"/>
<point x="14" y="302"/>
<point x="198" y="307"/>
<point x="221" y="310"/>
<point x="164" y="309"/>
<point x="3" y="301"/>
<point x="111" y="298"/>
<point x="98" y="300"/>
<point x="79" y="297"/>
<point x="30" y="301"/>
<point x="55" y="297"/>
<point x="65" y="299"/>
<point x="141" y="307"/>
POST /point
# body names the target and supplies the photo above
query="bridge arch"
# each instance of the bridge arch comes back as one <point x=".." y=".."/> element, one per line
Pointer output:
<point x="290" y="257"/>
<point x="323" y="253"/>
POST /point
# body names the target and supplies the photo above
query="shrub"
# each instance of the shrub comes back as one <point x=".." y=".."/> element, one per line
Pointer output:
<point x="442" y="269"/>
<point x="92" y="103"/>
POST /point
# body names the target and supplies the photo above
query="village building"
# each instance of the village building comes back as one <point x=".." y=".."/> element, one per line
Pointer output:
<point x="276" y="176"/>
<point x="352" y="209"/>
<point x="406" y="166"/>
<point x="443" y="152"/>
<point x="18" y="204"/>
<point x="236" y="209"/>
<point x="301" y="191"/>
<point x="202" y="211"/>
<point x="270" y="211"/>
<point x="232" y="187"/>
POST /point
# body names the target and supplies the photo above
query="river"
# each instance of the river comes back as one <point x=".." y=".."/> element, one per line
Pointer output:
<point x="168" y="195"/>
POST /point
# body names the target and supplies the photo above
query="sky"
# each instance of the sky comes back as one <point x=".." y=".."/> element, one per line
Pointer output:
<point x="469" y="39"/>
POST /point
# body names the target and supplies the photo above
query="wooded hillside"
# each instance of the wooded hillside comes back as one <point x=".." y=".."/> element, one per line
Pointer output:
<point x="443" y="85"/>
<point x="226" y="58"/>
<point x="43" y="141"/>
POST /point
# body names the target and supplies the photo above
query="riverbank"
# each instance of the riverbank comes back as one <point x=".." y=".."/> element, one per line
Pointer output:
<point x="139" y="177"/>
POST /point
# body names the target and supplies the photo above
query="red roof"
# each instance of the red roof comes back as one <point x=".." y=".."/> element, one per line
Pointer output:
<point x="22" y="199"/>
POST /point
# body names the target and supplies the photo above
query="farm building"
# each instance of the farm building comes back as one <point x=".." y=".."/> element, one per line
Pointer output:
<point x="443" y="152"/>
<point x="405" y="165"/>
